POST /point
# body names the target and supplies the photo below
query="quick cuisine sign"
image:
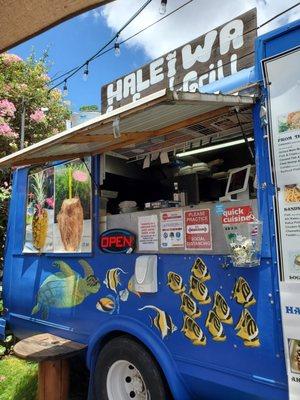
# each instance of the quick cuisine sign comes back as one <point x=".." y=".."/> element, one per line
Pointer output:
<point x="213" y="56"/>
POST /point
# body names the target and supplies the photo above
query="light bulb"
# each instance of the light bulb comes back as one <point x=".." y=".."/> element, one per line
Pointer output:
<point x="163" y="7"/>
<point x="86" y="73"/>
<point x="65" y="89"/>
<point x="117" y="49"/>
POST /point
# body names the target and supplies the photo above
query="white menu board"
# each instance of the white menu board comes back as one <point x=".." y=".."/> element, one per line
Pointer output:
<point x="283" y="78"/>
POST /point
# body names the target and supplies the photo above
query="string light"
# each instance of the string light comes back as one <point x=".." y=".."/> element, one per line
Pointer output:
<point x="105" y="49"/>
<point x="163" y="7"/>
<point x="86" y="72"/>
<point x="65" y="88"/>
<point x="116" y="46"/>
<point x="117" y="49"/>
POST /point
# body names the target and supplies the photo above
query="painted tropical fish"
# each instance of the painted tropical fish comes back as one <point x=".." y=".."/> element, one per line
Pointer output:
<point x="162" y="321"/>
<point x="112" y="278"/>
<point x="222" y="309"/>
<point x="108" y="304"/>
<point x="247" y="329"/>
<point x="200" y="271"/>
<point x="189" y="306"/>
<point x="124" y="294"/>
<point x="175" y="282"/>
<point x="242" y="293"/>
<point x="215" y="327"/>
<point x="66" y="288"/>
<point x="199" y="290"/>
<point x="193" y="331"/>
<point x="130" y="287"/>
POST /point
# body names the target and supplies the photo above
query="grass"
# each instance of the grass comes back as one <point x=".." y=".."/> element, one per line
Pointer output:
<point x="18" y="379"/>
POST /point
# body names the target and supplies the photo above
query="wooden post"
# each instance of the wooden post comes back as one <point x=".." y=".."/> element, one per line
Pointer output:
<point x="53" y="380"/>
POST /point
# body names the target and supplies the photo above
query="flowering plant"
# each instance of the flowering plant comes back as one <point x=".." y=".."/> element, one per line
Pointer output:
<point x="38" y="116"/>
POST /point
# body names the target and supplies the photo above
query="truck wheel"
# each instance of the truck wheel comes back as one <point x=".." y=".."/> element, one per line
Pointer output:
<point x="126" y="371"/>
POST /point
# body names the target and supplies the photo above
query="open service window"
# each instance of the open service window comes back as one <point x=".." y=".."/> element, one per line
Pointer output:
<point x="58" y="209"/>
<point x="177" y="193"/>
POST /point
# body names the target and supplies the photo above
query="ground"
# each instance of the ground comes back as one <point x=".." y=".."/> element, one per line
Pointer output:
<point x="18" y="379"/>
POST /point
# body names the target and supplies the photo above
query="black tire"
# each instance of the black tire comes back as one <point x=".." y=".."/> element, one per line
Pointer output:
<point x="125" y="348"/>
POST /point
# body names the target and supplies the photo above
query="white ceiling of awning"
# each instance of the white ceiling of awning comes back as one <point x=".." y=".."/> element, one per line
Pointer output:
<point x="164" y="114"/>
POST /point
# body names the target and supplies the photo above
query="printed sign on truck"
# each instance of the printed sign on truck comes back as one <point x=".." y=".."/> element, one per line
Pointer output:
<point x="198" y="230"/>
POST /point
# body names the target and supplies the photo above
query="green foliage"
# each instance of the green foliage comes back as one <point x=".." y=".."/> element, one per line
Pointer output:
<point x="92" y="107"/>
<point x="18" y="379"/>
<point x="24" y="83"/>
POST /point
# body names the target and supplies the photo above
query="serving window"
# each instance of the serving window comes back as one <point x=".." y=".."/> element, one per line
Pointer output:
<point x="174" y="197"/>
<point x="58" y="209"/>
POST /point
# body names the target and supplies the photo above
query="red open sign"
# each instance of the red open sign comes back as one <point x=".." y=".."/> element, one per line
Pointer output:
<point x="117" y="241"/>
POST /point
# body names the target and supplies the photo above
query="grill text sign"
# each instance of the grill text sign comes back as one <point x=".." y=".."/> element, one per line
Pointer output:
<point x="212" y="56"/>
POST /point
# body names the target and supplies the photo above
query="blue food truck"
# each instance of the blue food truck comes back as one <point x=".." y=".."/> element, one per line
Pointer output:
<point x="159" y="233"/>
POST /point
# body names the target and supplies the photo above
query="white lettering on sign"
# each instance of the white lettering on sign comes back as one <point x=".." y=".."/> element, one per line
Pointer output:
<point x="201" y="53"/>
<point x="218" y="53"/>
<point x="231" y="33"/>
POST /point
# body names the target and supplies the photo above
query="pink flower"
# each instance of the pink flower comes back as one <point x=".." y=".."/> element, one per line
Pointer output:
<point x="38" y="116"/>
<point x="80" y="176"/>
<point x="7" y="108"/>
<point x="10" y="58"/>
<point x="5" y="130"/>
<point x="50" y="202"/>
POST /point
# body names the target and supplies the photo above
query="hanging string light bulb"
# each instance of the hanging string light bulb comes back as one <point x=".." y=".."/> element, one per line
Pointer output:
<point x="117" y="48"/>
<point x="65" y="88"/>
<point x="163" y="7"/>
<point x="86" y="72"/>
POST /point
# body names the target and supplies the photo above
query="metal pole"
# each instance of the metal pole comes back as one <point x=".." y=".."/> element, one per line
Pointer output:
<point x="22" y="125"/>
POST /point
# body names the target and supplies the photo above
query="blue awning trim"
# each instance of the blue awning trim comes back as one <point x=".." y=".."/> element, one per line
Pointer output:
<point x="232" y="83"/>
<point x="2" y="328"/>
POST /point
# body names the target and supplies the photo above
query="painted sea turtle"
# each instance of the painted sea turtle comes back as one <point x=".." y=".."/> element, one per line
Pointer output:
<point x="66" y="288"/>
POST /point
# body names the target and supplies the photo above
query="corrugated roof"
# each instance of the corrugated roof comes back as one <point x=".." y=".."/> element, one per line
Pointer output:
<point x="22" y="19"/>
<point x="155" y="116"/>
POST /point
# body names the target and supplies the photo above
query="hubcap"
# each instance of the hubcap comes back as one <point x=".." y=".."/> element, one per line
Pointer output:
<point x="125" y="382"/>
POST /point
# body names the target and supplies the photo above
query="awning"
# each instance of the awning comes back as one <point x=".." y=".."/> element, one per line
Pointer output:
<point x="22" y="19"/>
<point x="165" y="116"/>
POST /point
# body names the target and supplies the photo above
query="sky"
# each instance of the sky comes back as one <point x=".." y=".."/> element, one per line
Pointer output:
<point x="72" y="42"/>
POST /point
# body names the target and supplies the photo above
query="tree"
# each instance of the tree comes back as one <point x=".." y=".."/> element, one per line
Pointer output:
<point x="24" y="86"/>
<point x="92" y="107"/>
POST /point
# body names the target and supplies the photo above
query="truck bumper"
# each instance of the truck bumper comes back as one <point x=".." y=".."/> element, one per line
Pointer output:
<point x="2" y="328"/>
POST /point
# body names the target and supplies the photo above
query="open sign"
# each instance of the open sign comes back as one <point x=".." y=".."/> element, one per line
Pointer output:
<point x="117" y="241"/>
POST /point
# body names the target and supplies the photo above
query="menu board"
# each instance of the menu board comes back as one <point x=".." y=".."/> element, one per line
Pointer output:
<point x="285" y="129"/>
<point x="284" y="112"/>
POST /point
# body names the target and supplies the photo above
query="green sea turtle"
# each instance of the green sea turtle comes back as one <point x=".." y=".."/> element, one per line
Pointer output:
<point x="65" y="288"/>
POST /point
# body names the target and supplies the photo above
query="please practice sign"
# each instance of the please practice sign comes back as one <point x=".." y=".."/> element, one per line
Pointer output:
<point x="212" y="56"/>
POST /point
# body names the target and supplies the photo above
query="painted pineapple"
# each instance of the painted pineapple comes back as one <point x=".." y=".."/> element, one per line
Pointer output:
<point x="40" y="217"/>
